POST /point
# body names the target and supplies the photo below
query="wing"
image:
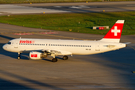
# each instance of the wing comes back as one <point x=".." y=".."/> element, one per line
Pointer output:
<point x="49" y="52"/>
<point x="58" y="52"/>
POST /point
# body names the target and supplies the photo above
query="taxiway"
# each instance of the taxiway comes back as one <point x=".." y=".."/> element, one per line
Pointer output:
<point x="110" y="70"/>
<point x="45" y="8"/>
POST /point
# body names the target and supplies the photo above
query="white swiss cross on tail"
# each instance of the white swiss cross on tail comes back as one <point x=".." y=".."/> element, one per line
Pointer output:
<point x="114" y="33"/>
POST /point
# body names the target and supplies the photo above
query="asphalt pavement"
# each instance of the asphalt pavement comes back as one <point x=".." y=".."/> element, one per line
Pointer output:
<point x="47" y="8"/>
<point x="106" y="71"/>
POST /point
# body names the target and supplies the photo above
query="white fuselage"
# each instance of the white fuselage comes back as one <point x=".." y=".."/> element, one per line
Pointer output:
<point x="77" y="47"/>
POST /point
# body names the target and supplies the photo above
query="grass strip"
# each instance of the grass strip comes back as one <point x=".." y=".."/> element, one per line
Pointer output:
<point x="52" y="1"/>
<point x="74" y="22"/>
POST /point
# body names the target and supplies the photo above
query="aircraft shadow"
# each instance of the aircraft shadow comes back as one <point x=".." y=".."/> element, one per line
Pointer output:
<point x="6" y="37"/>
<point x="11" y="54"/>
<point x="121" y="62"/>
<point x="8" y="85"/>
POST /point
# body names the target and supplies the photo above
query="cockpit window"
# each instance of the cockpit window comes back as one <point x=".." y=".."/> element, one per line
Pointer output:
<point x="9" y="43"/>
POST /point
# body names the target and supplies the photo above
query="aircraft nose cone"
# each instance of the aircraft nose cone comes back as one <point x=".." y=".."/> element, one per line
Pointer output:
<point x="5" y="47"/>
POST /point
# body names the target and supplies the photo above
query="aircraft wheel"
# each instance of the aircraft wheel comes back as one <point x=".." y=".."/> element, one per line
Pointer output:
<point x="19" y="55"/>
<point x="65" y="57"/>
<point x="54" y="60"/>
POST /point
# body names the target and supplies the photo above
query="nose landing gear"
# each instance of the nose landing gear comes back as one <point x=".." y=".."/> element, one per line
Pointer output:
<point x="19" y="55"/>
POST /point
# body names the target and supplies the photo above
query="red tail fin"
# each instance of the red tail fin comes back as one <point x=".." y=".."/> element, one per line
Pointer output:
<point x="114" y="33"/>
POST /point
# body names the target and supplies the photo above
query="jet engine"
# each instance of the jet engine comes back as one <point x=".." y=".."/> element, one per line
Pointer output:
<point x="37" y="55"/>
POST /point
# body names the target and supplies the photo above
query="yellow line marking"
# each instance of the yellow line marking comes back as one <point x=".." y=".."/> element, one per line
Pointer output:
<point x="131" y="47"/>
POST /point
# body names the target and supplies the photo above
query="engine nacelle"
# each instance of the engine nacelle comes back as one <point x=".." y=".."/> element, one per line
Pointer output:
<point x="37" y="55"/>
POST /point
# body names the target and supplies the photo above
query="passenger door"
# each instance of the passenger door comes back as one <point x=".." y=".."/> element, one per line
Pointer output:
<point x="97" y="47"/>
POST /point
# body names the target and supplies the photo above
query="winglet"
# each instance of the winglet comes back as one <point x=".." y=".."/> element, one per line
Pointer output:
<point x="114" y="33"/>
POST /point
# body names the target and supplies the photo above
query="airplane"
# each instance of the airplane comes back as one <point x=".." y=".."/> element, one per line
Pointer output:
<point x="41" y="48"/>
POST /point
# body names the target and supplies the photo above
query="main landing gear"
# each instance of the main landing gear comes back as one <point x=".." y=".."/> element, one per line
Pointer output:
<point x="65" y="57"/>
<point x="55" y="59"/>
